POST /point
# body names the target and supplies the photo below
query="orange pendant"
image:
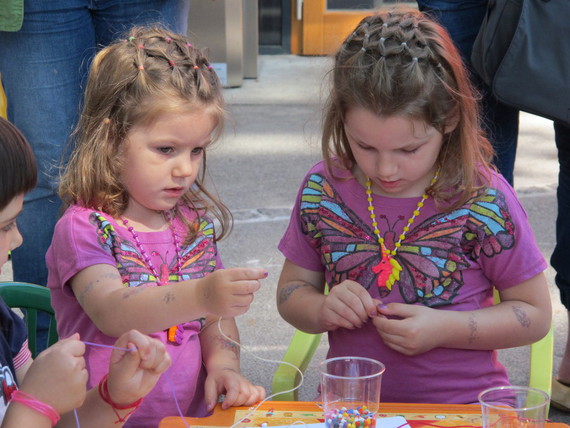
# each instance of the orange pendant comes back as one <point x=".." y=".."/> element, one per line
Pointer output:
<point x="388" y="269"/>
<point x="175" y="335"/>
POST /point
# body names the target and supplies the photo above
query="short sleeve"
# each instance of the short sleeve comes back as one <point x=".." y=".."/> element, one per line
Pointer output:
<point x="79" y="241"/>
<point x="298" y="244"/>
<point x="16" y="336"/>
<point x="507" y="265"/>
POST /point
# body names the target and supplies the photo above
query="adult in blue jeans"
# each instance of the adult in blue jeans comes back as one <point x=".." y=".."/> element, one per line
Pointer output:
<point x="463" y="18"/>
<point x="44" y="59"/>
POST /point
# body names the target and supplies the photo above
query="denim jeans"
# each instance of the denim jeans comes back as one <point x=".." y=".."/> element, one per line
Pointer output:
<point x="44" y="67"/>
<point x="462" y="19"/>
<point x="560" y="259"/>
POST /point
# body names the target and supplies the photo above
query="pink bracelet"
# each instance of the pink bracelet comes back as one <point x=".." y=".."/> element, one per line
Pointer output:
<point x="28" y="400"/>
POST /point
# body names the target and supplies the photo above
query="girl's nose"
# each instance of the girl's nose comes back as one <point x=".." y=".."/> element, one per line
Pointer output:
<point x="386" y="168"/>
<point x="15" y="238"/>
<point x="183" y="168"/>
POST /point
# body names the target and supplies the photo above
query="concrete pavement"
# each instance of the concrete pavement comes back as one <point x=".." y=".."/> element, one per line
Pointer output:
<point x="257" y="168"/>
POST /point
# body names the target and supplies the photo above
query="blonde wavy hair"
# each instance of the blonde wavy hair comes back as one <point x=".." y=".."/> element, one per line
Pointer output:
<point x="399" y="62"/>
<point x="135" y="80"/>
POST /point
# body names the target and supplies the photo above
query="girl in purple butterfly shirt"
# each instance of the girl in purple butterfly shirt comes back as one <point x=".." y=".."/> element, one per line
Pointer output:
<point x="409" y="225"/>
<point x="136" y="247"/>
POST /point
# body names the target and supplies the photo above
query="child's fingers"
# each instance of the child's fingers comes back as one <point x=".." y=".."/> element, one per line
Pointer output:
<point x="210" y="393"/>
<point x="157" y="358"/>
<point x="232" y="397"/>
<point x="138" y="345"/>
<point x="163" y="363"/>
<point x="246" y="274"/>
<point x="256" y="394"/>
<point x="397" y="310"/>
<point x="72" y="344"/>
<point x="244" y="288"/>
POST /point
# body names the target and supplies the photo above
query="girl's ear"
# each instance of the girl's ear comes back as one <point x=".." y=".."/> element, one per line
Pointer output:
<point x="450" y="127"/>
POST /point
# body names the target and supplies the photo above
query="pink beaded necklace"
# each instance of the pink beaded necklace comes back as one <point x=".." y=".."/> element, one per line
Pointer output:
<point x="175" y="333"/>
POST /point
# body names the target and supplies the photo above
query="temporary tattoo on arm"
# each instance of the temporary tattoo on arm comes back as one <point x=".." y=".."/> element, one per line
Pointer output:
<point x="227" y="345"/>
<point x="286" y="292"/>
<point x="522" y="316"/>
<point x="473" y="332"/>
<point x="91" y="285"/>
<point x="168" y="298"/>
<point x="133" y="291"/>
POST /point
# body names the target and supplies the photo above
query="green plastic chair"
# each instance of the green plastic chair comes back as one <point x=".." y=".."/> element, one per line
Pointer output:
<point x="303" y="346"/>
<point x="31" y="298"/>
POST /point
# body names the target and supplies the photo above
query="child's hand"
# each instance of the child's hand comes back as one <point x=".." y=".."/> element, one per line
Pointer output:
<point x="409" y="329"/>
<point x="229" y="292"/>
<point x="132" y="374"/>
<point x="58" y="376"/>
<point x="348" y="305"/>
<point x="238" y="390"/>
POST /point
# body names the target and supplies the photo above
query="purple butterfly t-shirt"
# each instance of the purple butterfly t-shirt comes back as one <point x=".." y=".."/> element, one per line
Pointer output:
<point x="450" y="261"/>
<point x="84" y="237"/>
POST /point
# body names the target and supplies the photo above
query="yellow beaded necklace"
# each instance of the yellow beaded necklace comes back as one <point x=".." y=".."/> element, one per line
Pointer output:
<point x="388" y="269"/>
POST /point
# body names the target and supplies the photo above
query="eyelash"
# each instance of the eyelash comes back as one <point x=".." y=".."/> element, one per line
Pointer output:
<point x="168" y="150"/>
<point x="9" y="227"/>
<point x="408" y="152"/>
<point x="411" y="152"/>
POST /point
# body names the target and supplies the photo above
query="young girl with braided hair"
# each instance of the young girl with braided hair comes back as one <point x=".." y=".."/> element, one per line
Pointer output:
<point x="136" y="246"/>
<point x="409" y="225"/>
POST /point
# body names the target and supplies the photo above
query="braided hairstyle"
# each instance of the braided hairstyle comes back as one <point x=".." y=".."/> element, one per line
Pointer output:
<point x="132" y="81"/>
<point x="399" y="62"/>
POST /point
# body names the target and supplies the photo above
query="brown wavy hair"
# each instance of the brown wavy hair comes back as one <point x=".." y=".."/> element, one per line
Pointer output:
<point x="134" y="80"/>
<point x="399" y="62"/>
<point x="18" y="170"/>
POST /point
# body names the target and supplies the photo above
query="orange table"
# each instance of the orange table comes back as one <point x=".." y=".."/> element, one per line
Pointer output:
<point x="286" y="412"/>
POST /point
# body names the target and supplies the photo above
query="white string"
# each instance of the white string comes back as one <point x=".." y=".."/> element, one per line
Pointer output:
<point x="252" y="411"/>
<point x="268" y="361"/>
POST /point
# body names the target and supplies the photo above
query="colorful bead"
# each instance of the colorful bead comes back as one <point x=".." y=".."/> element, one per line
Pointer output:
<point x="350" y="418"/>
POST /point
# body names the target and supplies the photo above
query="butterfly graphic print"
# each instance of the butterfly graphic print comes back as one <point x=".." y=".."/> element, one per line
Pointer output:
<point x="197" y="259"/>
<point x="432" y="256"/>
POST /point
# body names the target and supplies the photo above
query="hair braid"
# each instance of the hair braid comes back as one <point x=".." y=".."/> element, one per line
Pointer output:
<point x="134" y="81"/>
<point x="399" y="62"/>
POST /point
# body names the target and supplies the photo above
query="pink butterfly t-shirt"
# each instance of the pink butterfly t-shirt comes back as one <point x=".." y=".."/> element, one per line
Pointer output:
<point x="84" y="237"/>
<point x="450" y="261"/>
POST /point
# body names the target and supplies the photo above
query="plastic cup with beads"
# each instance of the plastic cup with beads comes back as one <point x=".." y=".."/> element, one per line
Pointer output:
<point x="350" y="391"/>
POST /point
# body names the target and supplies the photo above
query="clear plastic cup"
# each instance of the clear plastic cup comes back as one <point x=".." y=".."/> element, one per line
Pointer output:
<point x="350" y="390"/>
<point x="514" y="407"/>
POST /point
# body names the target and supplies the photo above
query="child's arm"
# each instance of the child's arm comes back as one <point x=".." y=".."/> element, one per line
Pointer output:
<point x="115" y="309"/>
<point x="221" y="359"/>
<point x="301" y="301"/>
<point x="132" y="374"/>
<point x="58" y="378"/>
<point x="522" y="317"/>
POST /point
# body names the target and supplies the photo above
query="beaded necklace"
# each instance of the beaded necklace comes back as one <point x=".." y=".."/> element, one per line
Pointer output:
<point x="175" y="333"/>
<point x="388" y="269"/>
